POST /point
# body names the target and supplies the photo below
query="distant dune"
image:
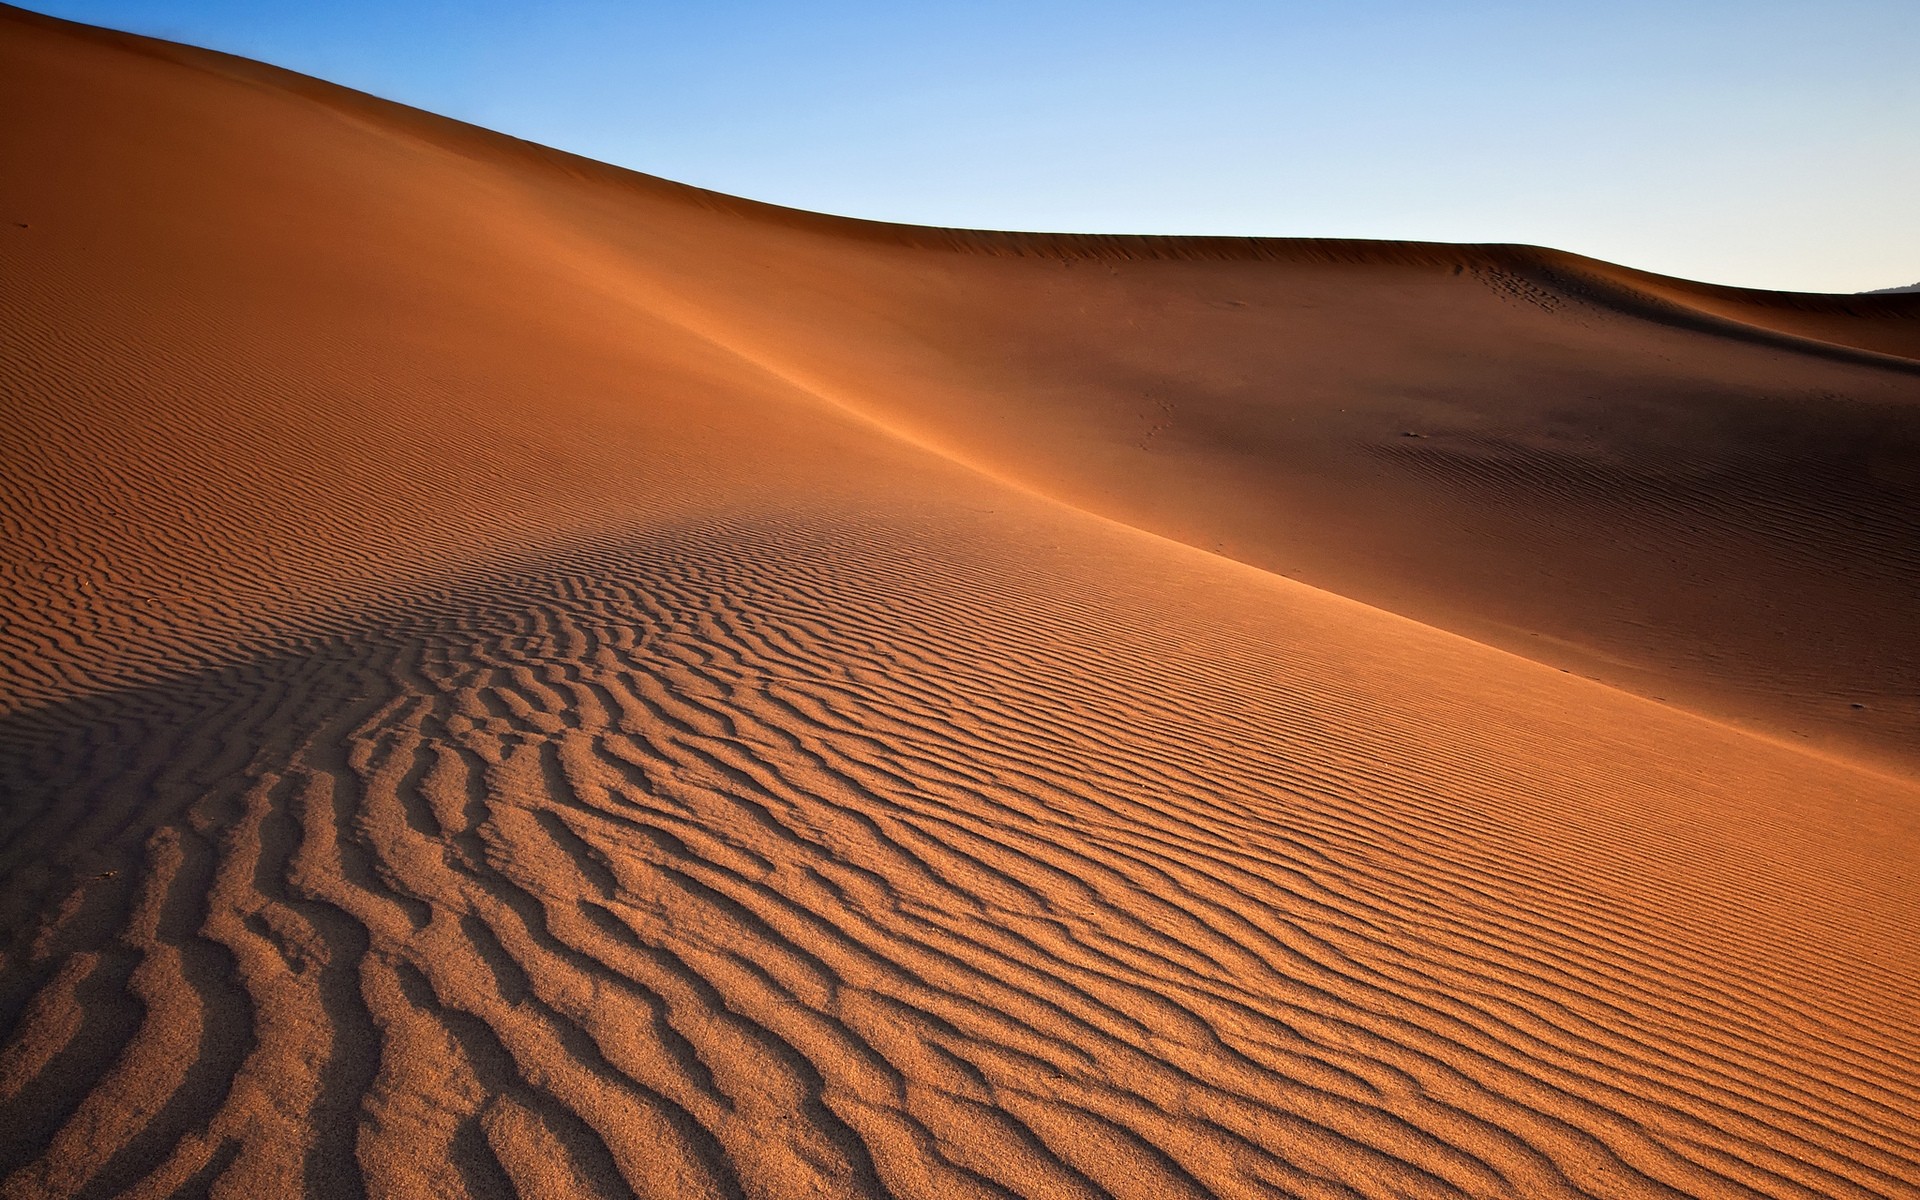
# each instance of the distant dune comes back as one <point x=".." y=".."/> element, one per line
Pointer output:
<point x="519" y="677"/>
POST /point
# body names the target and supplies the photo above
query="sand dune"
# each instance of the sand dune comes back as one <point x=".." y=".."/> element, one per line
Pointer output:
<point x="522" y="678"/>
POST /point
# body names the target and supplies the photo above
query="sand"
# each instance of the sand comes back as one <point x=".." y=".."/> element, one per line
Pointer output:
<point x="518" y="677"/>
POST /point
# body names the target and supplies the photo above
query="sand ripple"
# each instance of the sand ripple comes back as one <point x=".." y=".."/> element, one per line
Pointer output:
<point x="722" y="866"/>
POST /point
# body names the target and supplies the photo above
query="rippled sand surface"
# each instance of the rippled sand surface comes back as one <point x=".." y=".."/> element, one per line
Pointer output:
<point x="519" y="678"/>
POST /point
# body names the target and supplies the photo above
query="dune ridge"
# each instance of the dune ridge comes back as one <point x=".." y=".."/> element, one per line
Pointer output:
<point x="519" y="678"/>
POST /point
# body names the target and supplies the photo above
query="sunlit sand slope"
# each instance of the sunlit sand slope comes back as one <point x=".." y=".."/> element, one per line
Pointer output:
<point x="1698" y="494"/>
<point x="517" y="678"/>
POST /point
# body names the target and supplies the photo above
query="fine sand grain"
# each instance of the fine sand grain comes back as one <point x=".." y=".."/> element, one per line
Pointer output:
<point x="521" y="678"/>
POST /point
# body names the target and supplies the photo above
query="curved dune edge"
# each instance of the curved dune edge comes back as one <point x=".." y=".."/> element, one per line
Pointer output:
<point x="512" y="683"/>
<point x="1785" y="423"/>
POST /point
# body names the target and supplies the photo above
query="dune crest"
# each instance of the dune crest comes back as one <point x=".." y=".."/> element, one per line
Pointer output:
<point x="520" y="678"/>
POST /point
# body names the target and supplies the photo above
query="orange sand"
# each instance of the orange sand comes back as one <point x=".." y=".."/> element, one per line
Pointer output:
<point x="521" y="677"/>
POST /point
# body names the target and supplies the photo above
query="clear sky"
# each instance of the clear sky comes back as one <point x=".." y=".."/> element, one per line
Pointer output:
<point x="1771" y="143"/>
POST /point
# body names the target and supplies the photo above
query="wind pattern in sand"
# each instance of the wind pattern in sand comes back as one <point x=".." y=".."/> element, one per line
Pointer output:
<point x="711" y="868"/>
<point x="542" y="683"/>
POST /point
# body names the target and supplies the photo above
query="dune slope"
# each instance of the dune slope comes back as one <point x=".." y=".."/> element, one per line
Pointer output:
<point x="517" y="678"/>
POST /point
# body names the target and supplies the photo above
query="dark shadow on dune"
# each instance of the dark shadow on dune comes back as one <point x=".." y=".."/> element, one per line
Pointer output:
<point x="107" y="794"/>
<point x="121" y="807"/>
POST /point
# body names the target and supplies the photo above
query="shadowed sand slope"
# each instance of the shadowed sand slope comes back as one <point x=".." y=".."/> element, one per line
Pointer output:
<point x="518" y="678"/>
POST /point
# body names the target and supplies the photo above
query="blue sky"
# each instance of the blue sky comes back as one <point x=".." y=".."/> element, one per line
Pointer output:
<point x="1767" y="143"/>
